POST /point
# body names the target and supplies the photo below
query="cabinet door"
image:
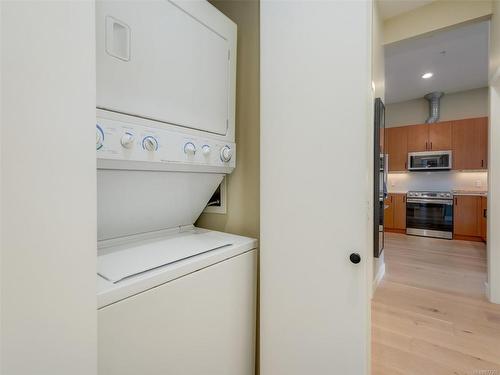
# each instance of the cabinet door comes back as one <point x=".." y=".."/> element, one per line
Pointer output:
<point x="418" y="138"/>
<point x="483" y="213"/>
<point x="465" y="215"/>
<point x="469" y="140"/>
<point x="440" y="136"/>
<point x="399" y="211"/>
<point x="481" y="126"/>
<point x="389" y="212"/>
<point x="397" y="148"/>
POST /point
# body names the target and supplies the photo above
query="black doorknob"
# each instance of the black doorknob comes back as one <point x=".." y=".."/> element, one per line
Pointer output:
<point x="355" y="258"/>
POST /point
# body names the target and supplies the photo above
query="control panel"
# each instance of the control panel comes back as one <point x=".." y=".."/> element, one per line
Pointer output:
<point x="430" y="194"/>
<point x="116" y="140"/>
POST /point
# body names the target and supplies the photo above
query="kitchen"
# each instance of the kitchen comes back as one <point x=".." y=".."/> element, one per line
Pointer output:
<point x="462" y="185"/>
<point x="436" y="144"/>
<point x="431" y="267"/>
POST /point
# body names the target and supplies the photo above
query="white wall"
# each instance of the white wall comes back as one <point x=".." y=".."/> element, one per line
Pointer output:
<point x="315" y="80"/>
<point x="434" y="16"/>
<point x="454" y="106"/>
<point x="48" y="306"/>
<point x="494" y="159"/>
<point x="437" y="181"/>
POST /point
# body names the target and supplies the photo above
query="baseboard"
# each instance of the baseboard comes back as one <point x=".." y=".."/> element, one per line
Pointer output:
<point x="378" y="277"/>
<point x="394" y="230"/>
<point x="467" y="238"/>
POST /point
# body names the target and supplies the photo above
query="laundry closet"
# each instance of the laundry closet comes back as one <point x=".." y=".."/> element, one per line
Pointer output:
<point x="172" y="298"/>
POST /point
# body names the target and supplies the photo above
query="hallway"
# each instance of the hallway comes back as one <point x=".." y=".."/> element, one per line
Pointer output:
<point x="429" y="313"/>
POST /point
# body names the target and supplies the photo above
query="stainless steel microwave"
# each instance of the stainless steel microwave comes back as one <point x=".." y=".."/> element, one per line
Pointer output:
<point x="429" y="161"/>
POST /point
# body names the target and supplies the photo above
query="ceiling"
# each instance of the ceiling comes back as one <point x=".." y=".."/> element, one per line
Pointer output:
<point x="457" y="57"/>
<point x="391" y="8"/>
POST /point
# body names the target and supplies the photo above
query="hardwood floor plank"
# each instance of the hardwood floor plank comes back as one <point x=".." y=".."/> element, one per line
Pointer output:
<point x="430" y="314"/>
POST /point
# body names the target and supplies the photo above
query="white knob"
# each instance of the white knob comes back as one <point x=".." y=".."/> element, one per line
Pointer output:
<point x="99" y="137"/>
<point x="127" y="140"/>
<point x="150" y="143"/>
<point x="190" y="148"/>
<point x="206" y="150"/>
<point x="226" y="153"/>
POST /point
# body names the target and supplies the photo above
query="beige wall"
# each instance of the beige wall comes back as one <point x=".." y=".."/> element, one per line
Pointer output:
<point x="243" y="184"/>
<point x="464" y="104"/>
<point x="434" y="16"/>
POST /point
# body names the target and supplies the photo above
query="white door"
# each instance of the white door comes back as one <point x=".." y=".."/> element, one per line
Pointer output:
<point x="316" y="180"/>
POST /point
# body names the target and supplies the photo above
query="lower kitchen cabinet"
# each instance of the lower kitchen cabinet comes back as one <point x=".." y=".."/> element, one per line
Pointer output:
<point x="388" y="213"/>
<point x="483" y="215"/>
<point x="395" y="213"/>
<point x="469" y="221"/>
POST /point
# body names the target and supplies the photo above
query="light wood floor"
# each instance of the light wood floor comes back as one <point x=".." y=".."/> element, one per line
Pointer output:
<point x="430" y="315"/>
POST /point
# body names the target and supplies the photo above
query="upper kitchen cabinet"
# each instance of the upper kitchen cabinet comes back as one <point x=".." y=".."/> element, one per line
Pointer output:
<point x="470" y="143"/>
<point x="397" y="148"/>
<point x="418" y="138"/>
<point x="440" y="136"/>
<point x="429" y="137"/>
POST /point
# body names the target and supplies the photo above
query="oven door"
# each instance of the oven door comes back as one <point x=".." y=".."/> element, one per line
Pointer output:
<point x="429" y="217"/>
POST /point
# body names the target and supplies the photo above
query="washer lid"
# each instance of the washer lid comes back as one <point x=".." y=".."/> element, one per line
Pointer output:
<point x="132" y="259"/>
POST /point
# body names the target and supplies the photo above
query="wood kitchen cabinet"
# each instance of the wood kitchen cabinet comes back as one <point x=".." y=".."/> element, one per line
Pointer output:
<point x="399" y="211"/>
<point x="397" y="148"/>
<point x="395" y="214"/>
<point x="466" y="217"/>
<point x="430" y="137"/>
<point x="418" y="138"/>
<point x="470" y="143"/>
<point x="388" y="213"/>
<point x="440" y="136"/>
<point x="483" y="214"/>
<point x="468" y="139"/>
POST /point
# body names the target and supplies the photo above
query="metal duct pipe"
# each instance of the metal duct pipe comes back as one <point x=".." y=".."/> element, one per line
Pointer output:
<point x="434" y="104"/>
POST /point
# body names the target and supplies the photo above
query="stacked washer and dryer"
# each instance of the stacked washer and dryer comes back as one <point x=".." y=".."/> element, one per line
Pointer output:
<point x="172" y="298"/>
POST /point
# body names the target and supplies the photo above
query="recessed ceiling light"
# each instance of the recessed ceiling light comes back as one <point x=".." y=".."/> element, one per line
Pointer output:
<point x="427" y="75"/>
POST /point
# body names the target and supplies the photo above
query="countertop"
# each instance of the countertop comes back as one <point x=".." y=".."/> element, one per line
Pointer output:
<point x="470" y="192"/>
<point x="481" y="193"/>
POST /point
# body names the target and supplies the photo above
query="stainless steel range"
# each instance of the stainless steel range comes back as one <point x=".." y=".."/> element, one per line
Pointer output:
<point x="429" y="214"/>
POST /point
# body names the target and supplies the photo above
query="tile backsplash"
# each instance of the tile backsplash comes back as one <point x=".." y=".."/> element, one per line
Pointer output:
<point x="437" y="181"/>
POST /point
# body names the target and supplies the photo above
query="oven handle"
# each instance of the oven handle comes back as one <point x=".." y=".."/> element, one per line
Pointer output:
<point x="448" y="202"/>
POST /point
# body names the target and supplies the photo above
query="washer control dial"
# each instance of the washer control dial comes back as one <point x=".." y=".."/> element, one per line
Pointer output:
<point x="99" y="137"/>
<point x="150" y="143"/>
<point x="190" y="148"/>
<point x="205" y="149"/>
<point x="127" y="140"/>
<point x="226" y="153"/>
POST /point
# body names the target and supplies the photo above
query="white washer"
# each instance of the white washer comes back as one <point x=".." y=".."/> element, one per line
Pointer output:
<point x="172" y="298"/>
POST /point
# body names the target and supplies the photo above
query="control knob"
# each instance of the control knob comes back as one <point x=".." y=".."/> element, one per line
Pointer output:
<point x="127" y="140"/>
<point x="205" y="150"/>
<point x="99" y="137"/>
<point x="190" y="148"/>
<point x="149" y="143"/>
<point x="226" y="154"/>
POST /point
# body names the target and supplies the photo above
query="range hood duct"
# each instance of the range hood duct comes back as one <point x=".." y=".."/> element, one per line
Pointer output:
<point x="434" y="104"/>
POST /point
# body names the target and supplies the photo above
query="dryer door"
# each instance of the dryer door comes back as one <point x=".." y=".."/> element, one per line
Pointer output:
<point x="166" y="61"/>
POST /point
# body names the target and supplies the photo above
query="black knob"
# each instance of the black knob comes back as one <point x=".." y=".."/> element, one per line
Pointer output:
<point x="355" y="258"/>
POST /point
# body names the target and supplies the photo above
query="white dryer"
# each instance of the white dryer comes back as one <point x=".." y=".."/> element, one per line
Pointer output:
<point x="172" y="298"/>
